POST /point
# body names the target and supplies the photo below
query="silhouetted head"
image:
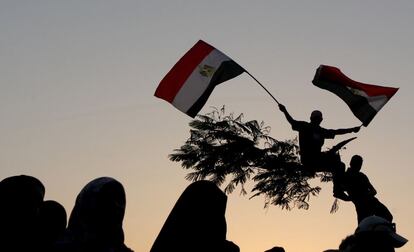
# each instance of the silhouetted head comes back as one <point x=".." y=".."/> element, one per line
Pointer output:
<point x="98" y="213"/>
<point x="383" y="228"/>
<point x="276" y="249"/>
<point x="197" y="221"/>
<point x="21" y="192"/>
<point x="316" y="117"/>
<point x="366" y="242"/>
<point x="356" y="163"/>
<point x="52" y="221"/>
<point x="373" y="234"/>
<point x="20" y="199"/>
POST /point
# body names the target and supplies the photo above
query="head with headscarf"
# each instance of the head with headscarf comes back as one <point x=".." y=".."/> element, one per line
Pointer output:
<point x="20" y="199"/>
<point x="197" y="221"/>
<point x="51" y="223"/>
<point x="21" y="194"/>
<point x="96" y="219"/>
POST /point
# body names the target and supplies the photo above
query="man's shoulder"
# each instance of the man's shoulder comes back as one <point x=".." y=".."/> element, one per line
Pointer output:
<point x="300" y="125"/>
<point x="357" y="177"/>
<point x="362" y="174"/>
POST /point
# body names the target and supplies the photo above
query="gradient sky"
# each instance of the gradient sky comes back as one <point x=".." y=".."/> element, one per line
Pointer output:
<point x="76" y="101"/>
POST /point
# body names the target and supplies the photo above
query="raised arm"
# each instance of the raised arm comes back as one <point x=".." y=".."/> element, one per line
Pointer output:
<point x="287" y="115"/>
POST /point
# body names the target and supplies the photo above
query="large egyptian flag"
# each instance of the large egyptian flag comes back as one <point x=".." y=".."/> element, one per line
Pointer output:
<point x="190" y="82"/>
<point x="364" y="100"/>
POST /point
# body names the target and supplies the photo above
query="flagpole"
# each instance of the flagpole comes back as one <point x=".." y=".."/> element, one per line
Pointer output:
<point x="262" y="86"/>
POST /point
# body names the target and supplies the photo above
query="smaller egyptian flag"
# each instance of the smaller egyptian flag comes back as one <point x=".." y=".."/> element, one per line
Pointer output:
<point x="364" y="100"/>
<point x="190" y="82"/>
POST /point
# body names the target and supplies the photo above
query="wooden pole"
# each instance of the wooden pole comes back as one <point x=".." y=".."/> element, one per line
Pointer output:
<point x="263" y="87"/>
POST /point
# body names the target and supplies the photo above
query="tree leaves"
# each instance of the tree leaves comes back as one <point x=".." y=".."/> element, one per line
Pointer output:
<point x="224" y="148"/>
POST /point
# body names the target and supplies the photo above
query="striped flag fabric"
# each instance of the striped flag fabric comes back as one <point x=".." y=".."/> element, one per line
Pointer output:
<point x="192" y="79"/>
<point x="364" y="100"/>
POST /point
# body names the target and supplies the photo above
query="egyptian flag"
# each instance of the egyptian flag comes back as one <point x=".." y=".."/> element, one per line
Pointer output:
<point x="190" y="82"/>
<point x="365" y="100"/>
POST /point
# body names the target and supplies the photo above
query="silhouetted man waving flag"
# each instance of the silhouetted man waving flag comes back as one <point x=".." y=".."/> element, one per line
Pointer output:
<point x="311" y="139"/>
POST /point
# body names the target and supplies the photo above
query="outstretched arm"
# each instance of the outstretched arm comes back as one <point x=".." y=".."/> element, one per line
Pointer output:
<point x="339" y="192"/>
<point x="346" y="131"/>
<point x="342" y="196"/>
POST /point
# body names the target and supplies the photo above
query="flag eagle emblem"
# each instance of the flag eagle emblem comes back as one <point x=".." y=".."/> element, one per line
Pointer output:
<point x="206" y="70"/>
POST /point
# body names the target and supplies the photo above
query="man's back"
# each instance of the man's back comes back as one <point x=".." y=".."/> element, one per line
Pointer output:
<point x="357" y="185"/>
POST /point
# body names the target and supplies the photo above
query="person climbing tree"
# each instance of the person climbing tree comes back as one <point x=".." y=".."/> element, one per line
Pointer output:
<point x="357" y="188"/>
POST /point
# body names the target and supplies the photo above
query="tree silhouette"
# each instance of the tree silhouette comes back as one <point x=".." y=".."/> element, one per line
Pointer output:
<point x="222" y="147"/>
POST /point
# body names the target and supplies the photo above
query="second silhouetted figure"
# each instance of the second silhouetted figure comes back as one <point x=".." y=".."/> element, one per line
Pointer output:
<point x="357" y="188"/>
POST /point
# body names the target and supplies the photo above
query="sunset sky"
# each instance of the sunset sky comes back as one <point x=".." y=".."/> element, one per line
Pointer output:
<point x="77" y="80"/>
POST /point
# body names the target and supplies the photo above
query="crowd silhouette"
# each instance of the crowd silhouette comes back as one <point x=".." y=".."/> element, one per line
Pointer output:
<point x="30" y="223"/>
<point x="196" y="223"/>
